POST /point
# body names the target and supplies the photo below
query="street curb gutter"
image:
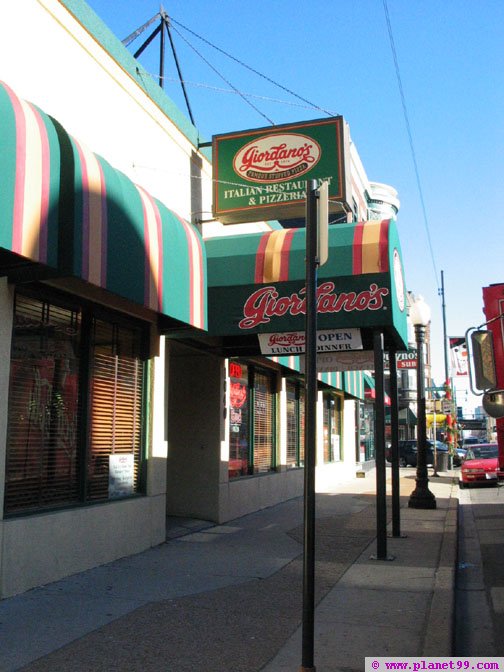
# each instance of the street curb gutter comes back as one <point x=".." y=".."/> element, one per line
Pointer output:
<point x="438" y="640"/>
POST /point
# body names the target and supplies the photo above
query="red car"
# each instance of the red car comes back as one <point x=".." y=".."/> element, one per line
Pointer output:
<point x="480" y="465"/>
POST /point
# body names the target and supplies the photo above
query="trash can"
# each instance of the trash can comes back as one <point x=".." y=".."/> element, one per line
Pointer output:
<point x="442" y="461"/>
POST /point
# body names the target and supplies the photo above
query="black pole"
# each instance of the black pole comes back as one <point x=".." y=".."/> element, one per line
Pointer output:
<point x="381" y="482"/>
<point x="445" y="337"/>
<point x="179" y="71"/>
<point x="394" y="437"/>
<point x="307" y="664"/>
<point x="144" y="46"/>
<point x="421" y="497"/>
<point x="161" y="55"/>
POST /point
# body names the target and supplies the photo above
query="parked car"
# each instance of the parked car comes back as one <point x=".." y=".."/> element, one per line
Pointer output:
<point x="459" y="456"/>
<point x="408" y="452"/>
<point x="480" y="465"/>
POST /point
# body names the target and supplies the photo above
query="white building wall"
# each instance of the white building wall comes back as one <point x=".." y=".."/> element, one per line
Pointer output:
<point x="71" y="77"/>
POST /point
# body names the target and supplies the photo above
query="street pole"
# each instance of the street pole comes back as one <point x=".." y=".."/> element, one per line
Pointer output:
<point x="421" y="497"/>
<point x="381" y="482"/>
<point x="307" y="664"/>
<point x="394" y="438"/>
<point x="445" y="337"/>
<point x="449" y="419"/>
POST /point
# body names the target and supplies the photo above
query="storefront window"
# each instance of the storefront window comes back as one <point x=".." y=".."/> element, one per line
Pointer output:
<point x="75" y="406"/>
<point x="238" y="420"/>
<point x="252" y="436"/>
<point x="367" y="448"/>
<point x="332" y="428"/>
<point x="295" y="423"/>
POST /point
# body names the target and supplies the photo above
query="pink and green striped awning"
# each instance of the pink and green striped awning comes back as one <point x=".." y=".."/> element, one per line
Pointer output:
<point x="67" y="209"/>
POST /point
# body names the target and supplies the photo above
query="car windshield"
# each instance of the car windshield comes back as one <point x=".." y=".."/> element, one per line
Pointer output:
<point x="482" y="452"/>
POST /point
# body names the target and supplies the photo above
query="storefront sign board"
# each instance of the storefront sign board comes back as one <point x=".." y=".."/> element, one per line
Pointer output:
<point x="261" y="174"/>
<point x="293" y="342"/>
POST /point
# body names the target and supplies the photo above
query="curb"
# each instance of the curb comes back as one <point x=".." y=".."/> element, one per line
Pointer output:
<point x="439" y="632"/>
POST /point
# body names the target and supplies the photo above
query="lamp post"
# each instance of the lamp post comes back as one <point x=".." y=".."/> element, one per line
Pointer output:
<point x="421" y="497"/>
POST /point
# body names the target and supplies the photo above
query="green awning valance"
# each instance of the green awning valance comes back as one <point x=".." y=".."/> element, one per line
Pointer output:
<point x="256" y="281"/>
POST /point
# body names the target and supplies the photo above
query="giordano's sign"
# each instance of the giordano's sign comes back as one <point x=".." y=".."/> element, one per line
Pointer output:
<point x="261" y="174"/>
<point x="256" y="282"/>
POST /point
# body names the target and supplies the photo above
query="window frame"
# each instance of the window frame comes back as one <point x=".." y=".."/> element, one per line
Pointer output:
<point x="89" y="312"/>
<point x="299" y="419"/>
<point x="252" y="371"/>
<point x="330" y="398"/>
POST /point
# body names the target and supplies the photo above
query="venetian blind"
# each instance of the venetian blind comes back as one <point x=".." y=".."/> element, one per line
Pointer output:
<point x="292" y="425"/>
<point x="41" y="466"/>
<point x="264" y="439"/>
<point x="327" y="430"/>
<point x="115" y="402"/>
<point x="302" y="407"/>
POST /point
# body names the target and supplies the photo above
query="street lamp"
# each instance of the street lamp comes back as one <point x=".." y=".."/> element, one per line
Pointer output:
<point x="421" y="497"/>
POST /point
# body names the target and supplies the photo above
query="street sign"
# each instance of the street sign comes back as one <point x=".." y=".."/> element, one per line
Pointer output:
<point x="472" y="424"/>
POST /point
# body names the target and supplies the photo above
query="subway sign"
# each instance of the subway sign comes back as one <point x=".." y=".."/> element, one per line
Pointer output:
<point x="261" y="174"/>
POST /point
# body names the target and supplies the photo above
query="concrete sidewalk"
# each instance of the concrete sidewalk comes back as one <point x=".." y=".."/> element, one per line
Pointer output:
<point x="228" y="597"/>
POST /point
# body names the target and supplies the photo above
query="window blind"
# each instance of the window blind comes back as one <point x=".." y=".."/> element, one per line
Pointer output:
<point x="115" y="403"/>
<point x="264" y="408"/>
<point x="41" y="465"/>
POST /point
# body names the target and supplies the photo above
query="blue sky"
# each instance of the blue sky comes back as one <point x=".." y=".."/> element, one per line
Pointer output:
<point x="337" y="55"/>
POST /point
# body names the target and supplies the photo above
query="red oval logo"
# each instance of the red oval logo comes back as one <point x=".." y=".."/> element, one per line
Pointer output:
<point x="277" y="157"/>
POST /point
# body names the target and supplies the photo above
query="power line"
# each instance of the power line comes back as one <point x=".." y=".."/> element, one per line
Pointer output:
<point x="224" y="79"/>
<point x="218" y="89"/>
<point x="248" y="67"/>
<point x="410" y="138"/>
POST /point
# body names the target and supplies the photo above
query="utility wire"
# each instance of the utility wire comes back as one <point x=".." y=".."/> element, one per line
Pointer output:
<point x="410" y="137"/>
<point x="223" y="78"/>
<point x="248" y="67"/>
<point x="218" y="89"/>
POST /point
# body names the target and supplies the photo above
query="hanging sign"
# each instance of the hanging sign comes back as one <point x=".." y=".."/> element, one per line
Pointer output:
<point x="293" y="342"/>
<point x="328" y="362"/>
<point x="261" y="174"/>
<point x="407" y="360"/>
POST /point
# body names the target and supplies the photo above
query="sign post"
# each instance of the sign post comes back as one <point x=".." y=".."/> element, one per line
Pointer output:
<point x="307" y="664"/>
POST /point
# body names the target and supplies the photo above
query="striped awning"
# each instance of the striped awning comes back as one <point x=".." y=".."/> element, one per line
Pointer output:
<point x="256" y="281"/>
<point x="67" y="209"/>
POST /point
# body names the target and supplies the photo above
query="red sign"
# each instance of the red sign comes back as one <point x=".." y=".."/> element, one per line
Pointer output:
<point x="407" y="363"/>
<point x="277" y="157"/>
<point x="238" y="395"/>
<point x="235" y="370"/>
<point x="266" y="302"/>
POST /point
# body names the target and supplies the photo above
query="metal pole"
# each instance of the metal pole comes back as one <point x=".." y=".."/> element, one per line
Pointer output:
<point x="421" y="497"/>
<point x="394" y="431"/>
<point x="381" y="483"/>
<point x="307" y="664"/>
<point x="445" y="337"/>
<point x="161" y="55"/>
<point x="179" y="71"/>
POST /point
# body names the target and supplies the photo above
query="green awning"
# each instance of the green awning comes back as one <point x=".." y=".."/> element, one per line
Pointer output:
<point x="70" y="214"/>
<point x="256" y="282"/>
